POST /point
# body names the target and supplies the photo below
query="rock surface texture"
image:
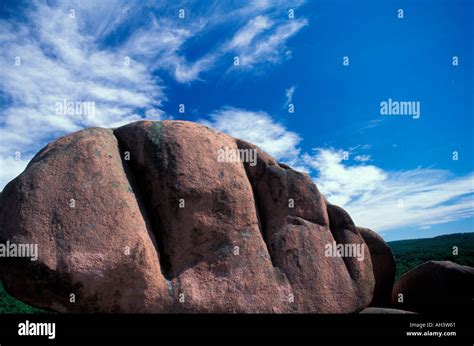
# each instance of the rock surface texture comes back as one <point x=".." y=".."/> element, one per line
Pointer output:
<point x="384" y="266"/>
<point x="145" y="218"/>
<point x="435" y="285"/>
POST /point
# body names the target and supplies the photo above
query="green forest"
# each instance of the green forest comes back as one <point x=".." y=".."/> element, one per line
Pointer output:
<point x="413" y="252"/>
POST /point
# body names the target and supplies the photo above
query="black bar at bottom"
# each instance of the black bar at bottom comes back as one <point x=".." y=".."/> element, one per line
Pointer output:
<point x="242" y="329"/>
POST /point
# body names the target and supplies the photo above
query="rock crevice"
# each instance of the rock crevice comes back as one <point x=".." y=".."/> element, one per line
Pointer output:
<point x="138" y="186"/>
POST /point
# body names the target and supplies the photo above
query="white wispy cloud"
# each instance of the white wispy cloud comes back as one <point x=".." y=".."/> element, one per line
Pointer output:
<point x="362" y="158"/>
<point x="258" y="128"/>
<point x="259" y="37"/>
<point x="271" y="48"/>
<point x="385" y="200"/>
<point x="246" y="34"/>
<point x="341" y="183"/>
<point x="47" y="59"/>
<point x="263" y="41"/>
<point x="289" y="94"/>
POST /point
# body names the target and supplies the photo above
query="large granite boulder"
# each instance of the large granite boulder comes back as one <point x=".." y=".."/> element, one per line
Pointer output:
<point x="161" y="217"/>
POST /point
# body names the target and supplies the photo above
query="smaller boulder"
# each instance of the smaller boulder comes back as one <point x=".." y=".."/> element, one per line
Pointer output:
<point x="434" y="286"/>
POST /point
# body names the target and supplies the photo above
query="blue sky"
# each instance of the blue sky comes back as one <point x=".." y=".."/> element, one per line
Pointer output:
<point x="393" y="173"/>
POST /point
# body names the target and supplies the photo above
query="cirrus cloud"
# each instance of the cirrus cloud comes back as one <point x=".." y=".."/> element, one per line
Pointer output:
<point x="258" y="128"/>
<point x="386" y="200"/>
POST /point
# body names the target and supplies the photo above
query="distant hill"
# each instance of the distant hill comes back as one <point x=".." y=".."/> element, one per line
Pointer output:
<point x="412" y="252"/>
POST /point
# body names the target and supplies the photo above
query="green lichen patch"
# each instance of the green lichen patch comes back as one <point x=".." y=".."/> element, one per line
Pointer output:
<point x="155" y="133"/>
